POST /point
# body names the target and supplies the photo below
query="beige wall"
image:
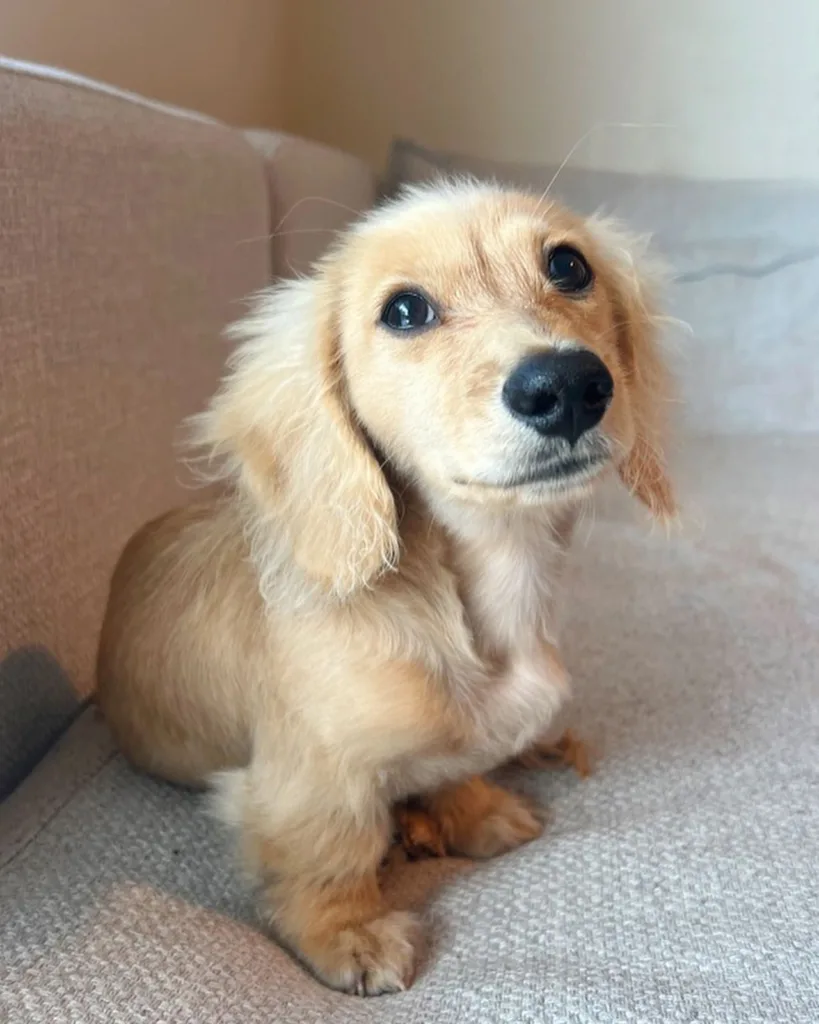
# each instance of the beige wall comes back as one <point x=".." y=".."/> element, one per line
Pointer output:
<point x="737" y="81"/>
<point x="217" y="56"/>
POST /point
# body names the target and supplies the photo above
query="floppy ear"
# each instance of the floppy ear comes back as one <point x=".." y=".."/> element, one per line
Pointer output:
<point x="643" y="469"/>
<point x="284" y="426"/>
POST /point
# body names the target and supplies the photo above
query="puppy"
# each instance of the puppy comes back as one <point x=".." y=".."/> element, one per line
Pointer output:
<point x="367" y="613"/>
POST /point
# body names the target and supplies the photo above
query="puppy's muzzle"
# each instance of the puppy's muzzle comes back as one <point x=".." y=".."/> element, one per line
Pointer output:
<point x="560" y="394"/>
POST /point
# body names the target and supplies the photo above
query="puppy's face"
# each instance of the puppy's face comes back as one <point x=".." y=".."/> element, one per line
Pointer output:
<point x="491" y="345"/>
<point x="492" y="349"/>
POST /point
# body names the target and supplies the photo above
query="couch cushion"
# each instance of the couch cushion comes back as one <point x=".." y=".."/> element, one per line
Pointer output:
<point x="678" y="884"/>
<point x="130" y="235"/>
<point x="744" y="258"/>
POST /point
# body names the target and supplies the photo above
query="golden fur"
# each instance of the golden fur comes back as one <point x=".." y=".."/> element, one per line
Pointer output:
<point x="343" y="630"/>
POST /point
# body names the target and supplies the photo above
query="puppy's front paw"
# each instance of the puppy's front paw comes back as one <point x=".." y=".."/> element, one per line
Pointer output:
<point x="369" y="959"/>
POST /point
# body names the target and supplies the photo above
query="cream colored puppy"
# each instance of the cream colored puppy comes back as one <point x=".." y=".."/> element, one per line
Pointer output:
<point x="366" y="616"/>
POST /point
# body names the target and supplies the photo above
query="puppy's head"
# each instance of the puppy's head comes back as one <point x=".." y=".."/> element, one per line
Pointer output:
<point x="489" y="348"/>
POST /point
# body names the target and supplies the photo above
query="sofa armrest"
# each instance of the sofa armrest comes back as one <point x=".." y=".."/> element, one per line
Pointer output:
<point x="315" y="191"/>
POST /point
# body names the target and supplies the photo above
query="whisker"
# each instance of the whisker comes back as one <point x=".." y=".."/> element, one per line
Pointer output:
<point x="317" y="199"/>
<point x="277" y="232"/>
<point x="286" y="234"/>
<point x="585" y="137"/>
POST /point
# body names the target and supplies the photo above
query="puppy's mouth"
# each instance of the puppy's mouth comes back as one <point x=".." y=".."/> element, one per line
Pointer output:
<point x="558" y="474"/>
<point x="565" y="472"/>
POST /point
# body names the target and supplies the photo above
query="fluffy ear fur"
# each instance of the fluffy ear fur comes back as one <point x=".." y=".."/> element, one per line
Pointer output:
<point x="643" y="469"/>
<point x="283" y="428"/>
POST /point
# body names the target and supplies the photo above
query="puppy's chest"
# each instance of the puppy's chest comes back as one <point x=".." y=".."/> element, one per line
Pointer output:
<point x="509" y="592"/>
<point x="509" y="588"/>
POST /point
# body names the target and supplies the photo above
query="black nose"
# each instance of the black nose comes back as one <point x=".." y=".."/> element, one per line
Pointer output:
<point x="560" y="394"/>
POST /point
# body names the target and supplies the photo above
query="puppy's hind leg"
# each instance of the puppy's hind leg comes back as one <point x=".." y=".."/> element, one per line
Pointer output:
<point x="569" y="751"/>
<point x="474" y="818"/>
<point x="316" y="852"/>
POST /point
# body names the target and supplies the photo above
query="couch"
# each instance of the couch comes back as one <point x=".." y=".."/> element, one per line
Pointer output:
<point x="677" y="884"/>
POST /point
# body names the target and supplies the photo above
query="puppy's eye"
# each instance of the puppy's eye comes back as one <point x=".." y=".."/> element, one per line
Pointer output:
<point x="567" y="269"/>
<point x="407" y="311"/>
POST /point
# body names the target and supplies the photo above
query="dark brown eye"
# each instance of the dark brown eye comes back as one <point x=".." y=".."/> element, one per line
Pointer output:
<point x="567" y="269"/>
<point x="407" y="311"/>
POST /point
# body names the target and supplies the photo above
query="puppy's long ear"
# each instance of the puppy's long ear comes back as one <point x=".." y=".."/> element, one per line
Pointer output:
<point x="643" y="469"/>
<point x="283" y="426"/>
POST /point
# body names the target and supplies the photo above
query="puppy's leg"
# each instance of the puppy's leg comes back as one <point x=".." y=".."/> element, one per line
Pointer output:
<point x="317" y="852"/>
<point x="474" y="819"/>
<point x="417" y="832"/>
<point x="341" y="927"/>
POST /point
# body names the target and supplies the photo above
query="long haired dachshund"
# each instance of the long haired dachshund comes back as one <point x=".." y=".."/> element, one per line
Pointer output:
<point x="366" y="614"/>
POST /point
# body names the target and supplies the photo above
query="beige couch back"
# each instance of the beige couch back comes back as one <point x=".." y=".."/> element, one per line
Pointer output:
<point x="129" y="237"/>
